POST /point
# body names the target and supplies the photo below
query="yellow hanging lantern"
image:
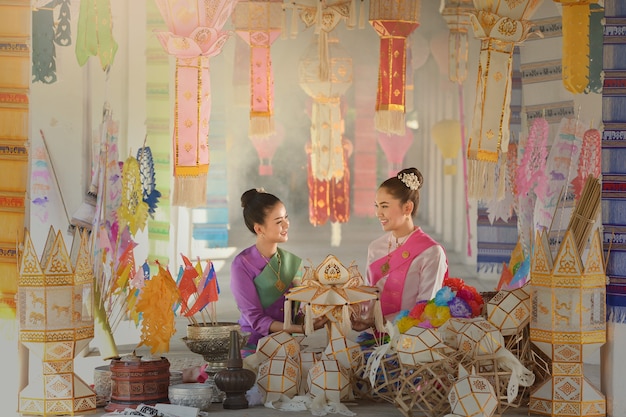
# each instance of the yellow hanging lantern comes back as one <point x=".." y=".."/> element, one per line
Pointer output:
<point x="575" y="61"/>
<point x="447" y="136"/>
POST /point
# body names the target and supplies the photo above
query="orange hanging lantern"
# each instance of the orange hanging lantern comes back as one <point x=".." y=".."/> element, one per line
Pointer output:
<point x="456" y="14"/>
<point x="499" y="26"/>
<point x="258" y="23"/>
<point x="194" y="35"/>
<point x="394" y="21"/>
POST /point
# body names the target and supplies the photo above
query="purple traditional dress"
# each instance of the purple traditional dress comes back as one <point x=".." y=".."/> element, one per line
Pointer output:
<point x="259" y="288"/>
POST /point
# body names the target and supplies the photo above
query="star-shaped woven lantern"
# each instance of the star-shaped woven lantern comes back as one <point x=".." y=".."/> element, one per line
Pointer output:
<point x="472" y="396"/>
<point x="278" y="376"/>
<point x="328" y="379"/>
<point x="509" y="311"/>
<point x="347" y="352"/>
<point x="418" y="345"/>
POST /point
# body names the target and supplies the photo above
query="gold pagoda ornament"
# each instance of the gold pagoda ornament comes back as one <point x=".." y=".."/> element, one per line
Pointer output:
<point x="568" y="322"/>
<point x="55" y="310"/>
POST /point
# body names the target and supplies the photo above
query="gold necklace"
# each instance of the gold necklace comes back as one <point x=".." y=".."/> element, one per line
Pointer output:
<point x="385" y="267"/>
<point x="279" y="284"/>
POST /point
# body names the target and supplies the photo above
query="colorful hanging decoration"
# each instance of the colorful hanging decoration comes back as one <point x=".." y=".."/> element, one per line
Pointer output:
<point x="575" y="67"/>
<point x="94" y="33"/>
<point x="258" y="23"/>
<point x="329" y="199"/>
<point x="394" y="21"/>
<point x="327" y="152"/>
<point x="47" y="33"/>
<point x="194" y="35"/>
<point x="456" y="13"/>
<point x="447" y="136"/>
<point x="150" y="195"/>
<point x="133" y="211"/>
<point x="395" y="148"/>
<point x="589" y="161"/>
<point x="266" y="148"/>
<point x="596" y="39"/>
<point x="499" y="26"/>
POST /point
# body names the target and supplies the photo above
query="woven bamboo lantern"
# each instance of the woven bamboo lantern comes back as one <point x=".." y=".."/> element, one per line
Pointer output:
<point x="418" y="345"/>
<point x="194" y="35"/>
<point x="55" y="306"/>
<point x="329" y="380"/>
<point x="480" y="337"/>
<point x="278" y="376"/>
<point x="509" y="311"/>
<point x="276" y="344"/>
<point x="344" y="350"/>
<point x="472" y="396"/>
<point x="394" y="21"/>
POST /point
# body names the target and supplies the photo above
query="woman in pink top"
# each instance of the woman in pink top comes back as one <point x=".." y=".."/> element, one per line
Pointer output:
<point x="405" y="263"/>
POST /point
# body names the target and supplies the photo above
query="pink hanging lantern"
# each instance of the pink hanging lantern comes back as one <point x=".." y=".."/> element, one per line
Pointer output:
<point x="395" y="148"/>
<point x="394" y="21"/>
<point x="194" y="35"/>
<point x="266" y="148"/>
<point x="258" y="23"/>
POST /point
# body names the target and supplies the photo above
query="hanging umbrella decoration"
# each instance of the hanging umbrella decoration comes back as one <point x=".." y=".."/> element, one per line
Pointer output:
<point x="499" y="26"/>
<point x="258" y="23"/>
<point x="266" y="147"/>
<point x="194" y="35"/>
<point x="395" y="148"/>
<point x="394" y="21"/>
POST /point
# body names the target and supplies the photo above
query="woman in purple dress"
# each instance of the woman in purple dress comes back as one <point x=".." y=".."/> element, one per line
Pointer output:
<point x="262" y="273"/>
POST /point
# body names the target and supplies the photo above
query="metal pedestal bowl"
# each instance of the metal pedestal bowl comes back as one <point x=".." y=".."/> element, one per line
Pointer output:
<point x="212" y="342"/>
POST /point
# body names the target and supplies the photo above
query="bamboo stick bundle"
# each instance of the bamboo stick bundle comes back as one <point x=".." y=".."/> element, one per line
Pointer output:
<point x="585" y="212"/>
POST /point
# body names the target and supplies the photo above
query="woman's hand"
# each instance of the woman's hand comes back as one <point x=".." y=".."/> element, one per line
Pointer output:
<point x="320" y="322"/>
<point x="359" y="324"/>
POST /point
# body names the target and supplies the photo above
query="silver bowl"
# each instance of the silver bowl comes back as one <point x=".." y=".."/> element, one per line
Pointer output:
<point x="213" y="341"/>
<point x="191" y="395"/>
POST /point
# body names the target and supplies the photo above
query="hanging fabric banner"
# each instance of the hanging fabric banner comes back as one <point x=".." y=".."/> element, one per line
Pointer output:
<point x="499" y="26"/>
<point x="394" y="21"/>
<point x="258" y="23"/>
<point x="94" y="33"/>
<point x="194" y="35"/>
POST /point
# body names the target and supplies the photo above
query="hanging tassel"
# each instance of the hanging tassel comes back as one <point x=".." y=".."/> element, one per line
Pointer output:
<point x="308" y="320"/>
<point x="283" y="24"/>
<point x="318" y="18"/>
<point x="501" y="178"/>
<point x="287" y="308"/>
<point x="390" y="122"/>
<point x="379" y="320"/>
<point x="351" y="24"/>
<point x="346" y="325"/>
<point x="324" y="70"/>
<point x="294" y="22"/>
<point x="362" y="15"/>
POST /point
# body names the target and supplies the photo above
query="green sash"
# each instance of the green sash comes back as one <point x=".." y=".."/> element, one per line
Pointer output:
<point x="267" y="285"/>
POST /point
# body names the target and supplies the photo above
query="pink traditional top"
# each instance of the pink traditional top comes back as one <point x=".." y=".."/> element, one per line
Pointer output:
<point x="412" y="272"/>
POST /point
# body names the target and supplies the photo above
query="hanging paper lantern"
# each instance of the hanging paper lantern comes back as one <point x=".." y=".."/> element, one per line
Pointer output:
<point x="266" y="148"/>
<point x="576" y="16"/>
<point x="395" y="148"/>
<point x="394" y="21"/>
<point x="258" y="23"/>
<point x="327" y="152"/>
<point x="447" y="136"/>
<point x="499" y="26"/>
<point x="456" y="14"/>
<point x="194" y="35"/>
